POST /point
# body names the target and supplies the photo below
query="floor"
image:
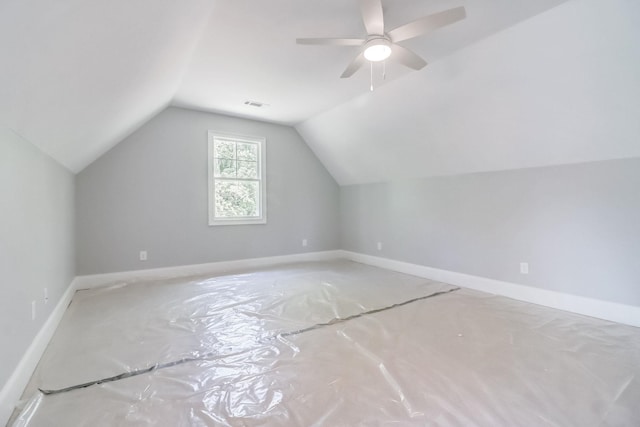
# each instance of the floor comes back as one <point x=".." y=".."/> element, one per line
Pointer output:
<point x="328" y="344"/>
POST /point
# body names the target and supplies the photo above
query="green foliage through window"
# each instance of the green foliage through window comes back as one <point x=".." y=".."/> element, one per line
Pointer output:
<point x="236" y="179"/>
<point x="236" y="199"/>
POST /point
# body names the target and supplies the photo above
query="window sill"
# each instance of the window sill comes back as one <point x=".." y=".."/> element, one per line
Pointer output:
<point x="217" y="222"/>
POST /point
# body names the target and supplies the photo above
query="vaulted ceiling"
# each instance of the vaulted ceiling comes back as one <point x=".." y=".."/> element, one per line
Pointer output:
<point x="78" y="76"/>
<point x="248" y="51"/>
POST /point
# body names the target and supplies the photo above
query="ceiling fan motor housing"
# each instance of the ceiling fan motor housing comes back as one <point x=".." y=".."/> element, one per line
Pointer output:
<point x="377" y="48"/>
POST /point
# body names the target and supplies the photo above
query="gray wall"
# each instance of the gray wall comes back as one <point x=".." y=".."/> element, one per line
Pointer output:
<point x="577" y="226"/>
<point x="150" y="192"/>
<point x="36" y="243"/>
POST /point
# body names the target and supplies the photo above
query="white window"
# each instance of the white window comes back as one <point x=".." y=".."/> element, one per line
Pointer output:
<point x="236" y="180"/>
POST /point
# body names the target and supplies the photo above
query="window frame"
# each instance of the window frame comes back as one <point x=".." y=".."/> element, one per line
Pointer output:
<point x="262" y="181"/>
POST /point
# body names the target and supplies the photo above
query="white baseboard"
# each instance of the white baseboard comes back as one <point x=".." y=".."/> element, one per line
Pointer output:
<point x="97" y="280"/>
<point x="621" y="313"/>
<point x="12" y="390"/>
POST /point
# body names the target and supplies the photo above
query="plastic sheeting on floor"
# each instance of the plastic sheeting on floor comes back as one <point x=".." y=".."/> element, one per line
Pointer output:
<point x="289" y="346"/>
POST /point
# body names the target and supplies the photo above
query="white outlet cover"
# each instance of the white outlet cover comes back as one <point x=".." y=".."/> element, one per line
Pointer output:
<point x="143" y="255"/>
<point x="379" y="246"/>
<point x="304" y="242"/>
<point x="524" y="268"/>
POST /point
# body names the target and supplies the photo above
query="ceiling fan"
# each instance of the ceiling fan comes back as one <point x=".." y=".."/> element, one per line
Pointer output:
<point x="380" y="44"/>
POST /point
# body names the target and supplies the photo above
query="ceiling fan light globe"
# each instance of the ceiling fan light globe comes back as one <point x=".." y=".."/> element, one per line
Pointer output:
<point x="376" y="52"/>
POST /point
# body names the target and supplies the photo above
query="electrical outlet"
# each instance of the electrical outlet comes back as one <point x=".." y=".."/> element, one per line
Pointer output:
<point x="524" y="268"/>
<point x="379" y="246"/>
<point x="33" y="310"/>
<point x="46" y="296"/>
<point x="304" y="242"/>
<point x="143" y="255"/>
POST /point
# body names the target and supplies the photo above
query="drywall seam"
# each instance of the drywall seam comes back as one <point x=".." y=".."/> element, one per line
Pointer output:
<point x="12" y="390"/>
<point x="621" y="313"/>
<point x="98" y="280"/>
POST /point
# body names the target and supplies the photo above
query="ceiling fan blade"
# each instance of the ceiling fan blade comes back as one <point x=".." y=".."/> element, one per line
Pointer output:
<point x="332" y="41"/>
<point x="354" y="66"/>
<point x="372" y="16"/>
<point x="427" y="24"/>
<point x="407" y="57"/>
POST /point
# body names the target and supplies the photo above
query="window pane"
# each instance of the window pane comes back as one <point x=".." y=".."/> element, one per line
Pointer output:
<point x="236" y="199"/>
<point x="224" y="149"/>
<point x="247" y="169"/>
<point x="247" y="151"/>
<point x="223" y="168"/>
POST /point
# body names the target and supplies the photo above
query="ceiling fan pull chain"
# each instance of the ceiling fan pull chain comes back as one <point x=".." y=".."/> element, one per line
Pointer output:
<point x="371" y="88"/>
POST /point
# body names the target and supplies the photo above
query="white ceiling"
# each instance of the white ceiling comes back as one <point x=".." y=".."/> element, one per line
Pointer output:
<point x="561" y="88"/>
<point x="78" y="76"/>
<point x="248" y="51"/>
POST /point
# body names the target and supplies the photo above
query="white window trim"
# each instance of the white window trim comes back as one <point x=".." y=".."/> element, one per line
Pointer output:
<point x="262" y="164"/>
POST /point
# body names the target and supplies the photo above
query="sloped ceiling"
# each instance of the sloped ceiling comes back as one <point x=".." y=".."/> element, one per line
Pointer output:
<point x="248" y="51"/>
<point x="78" y="76"/>
<point x="560" y="88"/>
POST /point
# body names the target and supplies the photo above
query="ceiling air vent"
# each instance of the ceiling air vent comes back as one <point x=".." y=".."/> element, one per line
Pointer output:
<point x="256" y="104"/>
